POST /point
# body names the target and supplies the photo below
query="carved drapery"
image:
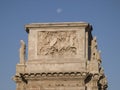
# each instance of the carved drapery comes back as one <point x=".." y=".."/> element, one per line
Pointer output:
<point x="22" y="52"/>
<point x="53" y="43"/>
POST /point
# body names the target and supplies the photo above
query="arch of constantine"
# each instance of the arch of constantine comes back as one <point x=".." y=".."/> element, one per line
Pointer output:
<point x="61" y="56"/>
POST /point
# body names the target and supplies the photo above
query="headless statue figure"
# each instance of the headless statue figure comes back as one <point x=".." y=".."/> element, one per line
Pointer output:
<point x="22" y="52"/>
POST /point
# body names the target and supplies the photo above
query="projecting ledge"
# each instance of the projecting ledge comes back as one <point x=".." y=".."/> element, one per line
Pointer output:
<point x="58" y="24"/>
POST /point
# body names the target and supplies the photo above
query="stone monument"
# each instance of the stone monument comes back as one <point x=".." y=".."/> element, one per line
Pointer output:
<point x="61" y="56"/>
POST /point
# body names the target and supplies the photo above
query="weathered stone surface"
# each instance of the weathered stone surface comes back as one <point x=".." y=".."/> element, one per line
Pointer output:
<point x="22" y="52"/>
<point x="61" y="56"/>
<point x="57" y="43"/>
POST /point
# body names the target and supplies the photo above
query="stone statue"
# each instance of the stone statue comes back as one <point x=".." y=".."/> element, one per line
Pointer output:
<point x="22" y="52"/>
<point x="94" y="48"/>
<point x="99" y="57"/>
<point x="94" y="42"/>
<point x="101" y="71"/>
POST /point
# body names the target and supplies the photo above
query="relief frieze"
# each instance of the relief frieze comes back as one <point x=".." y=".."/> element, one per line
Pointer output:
<point x="54" y="43"/>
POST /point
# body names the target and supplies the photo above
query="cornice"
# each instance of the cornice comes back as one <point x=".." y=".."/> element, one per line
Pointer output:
<point x="58" y="25"/>
<point x="51" y="76"/>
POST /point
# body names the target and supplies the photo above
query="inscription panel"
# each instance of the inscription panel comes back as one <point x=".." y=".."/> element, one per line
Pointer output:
<point x="54" y="43"/>
<point x="69" y="84"/>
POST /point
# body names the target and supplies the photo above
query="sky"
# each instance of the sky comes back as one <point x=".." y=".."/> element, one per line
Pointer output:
<point x="103" y="15"/>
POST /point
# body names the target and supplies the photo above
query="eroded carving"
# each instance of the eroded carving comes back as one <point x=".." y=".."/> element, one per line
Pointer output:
<point x="22" y="51"/>
<point x="57" y="43"/>
<point x="96" y="54"/>
<point x="94" y="48"/>
<point x="103" y="83"/>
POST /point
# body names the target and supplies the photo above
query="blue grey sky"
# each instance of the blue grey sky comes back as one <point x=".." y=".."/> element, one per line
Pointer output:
<point x="103" y="15"/>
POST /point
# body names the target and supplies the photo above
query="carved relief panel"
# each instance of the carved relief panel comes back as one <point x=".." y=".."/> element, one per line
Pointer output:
<point x="54" y="43"/>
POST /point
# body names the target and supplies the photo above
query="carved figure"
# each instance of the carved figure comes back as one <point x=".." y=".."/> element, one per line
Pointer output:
<point x="101" y="71"/>
<point x="94" y="48"/>
<point x="22" y="52"/>
<point x="57" y="43"/>
<point x="99" y="57"/>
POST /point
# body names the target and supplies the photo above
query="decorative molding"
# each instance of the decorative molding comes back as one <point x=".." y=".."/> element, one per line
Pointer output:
<point x="51" y="76"/>
<point x="58" y="25"/>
